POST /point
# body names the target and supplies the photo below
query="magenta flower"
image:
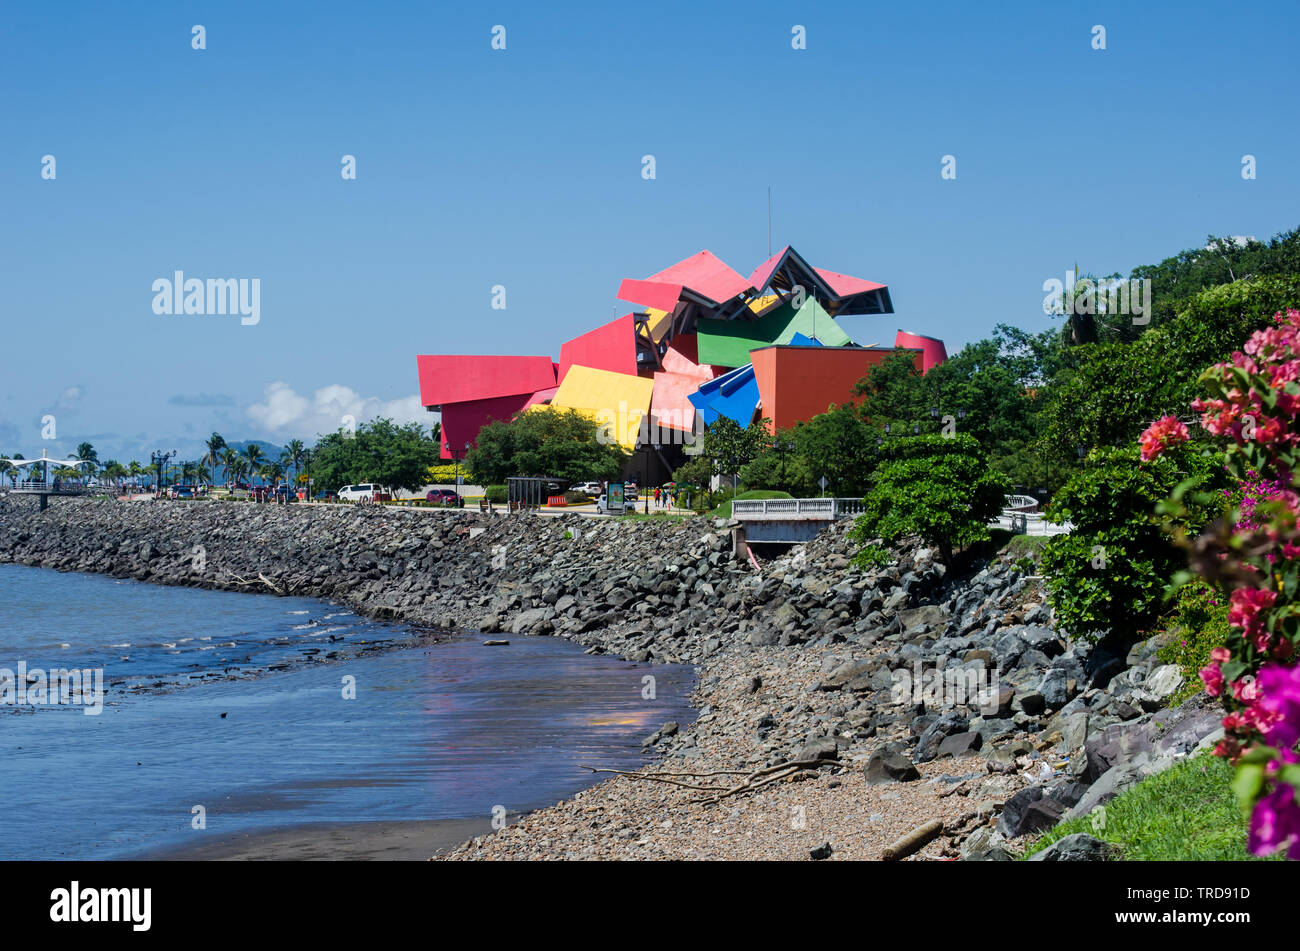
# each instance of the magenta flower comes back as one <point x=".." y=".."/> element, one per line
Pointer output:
<point x="1275" y="823"/>
<point x="1246" y="605"/>
<point x="1279" y="695"/>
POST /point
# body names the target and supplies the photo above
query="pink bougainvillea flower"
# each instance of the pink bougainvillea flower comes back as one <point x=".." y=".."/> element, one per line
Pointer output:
<point x="1275" y="823"/>
<point x="1160" y="435"/>
<point x="1279" y="694"/>
<point x="1245" y="607"/>
<point x="1213" y="678"/>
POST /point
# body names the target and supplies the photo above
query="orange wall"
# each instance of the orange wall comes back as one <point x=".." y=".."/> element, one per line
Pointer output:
<point x="797" y="383"/>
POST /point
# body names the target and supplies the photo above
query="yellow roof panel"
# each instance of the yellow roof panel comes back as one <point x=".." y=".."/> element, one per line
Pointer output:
<point x="617" y="401"/>
<point x="658" y="323"/>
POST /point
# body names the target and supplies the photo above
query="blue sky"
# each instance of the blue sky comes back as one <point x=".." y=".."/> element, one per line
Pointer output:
<point x="522" y="168"/>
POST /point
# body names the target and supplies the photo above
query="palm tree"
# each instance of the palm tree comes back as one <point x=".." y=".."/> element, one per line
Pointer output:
<point x="253" y="453"/>
<point x="86" y="453"/>
<point x="230" y="459"/>
<point x="293" y="454"/>
<point x="215" y="444"/>
<point x="307" y="456"/>
<point x="272" y="472"/>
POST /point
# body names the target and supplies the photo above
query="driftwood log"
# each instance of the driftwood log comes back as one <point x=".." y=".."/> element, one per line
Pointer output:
<point x="753" y="779"/>
<point x="914" y="841"/>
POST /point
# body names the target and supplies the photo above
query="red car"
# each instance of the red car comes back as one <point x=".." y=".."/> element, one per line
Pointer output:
<point x="444" y="497"/>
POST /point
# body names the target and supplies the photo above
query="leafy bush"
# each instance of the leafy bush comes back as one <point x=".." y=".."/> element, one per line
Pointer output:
<point x="1198" y="625"/>
<point x="498" y="494"/>
<point x="938" y="487"/>
<point x="1109" y="574"/>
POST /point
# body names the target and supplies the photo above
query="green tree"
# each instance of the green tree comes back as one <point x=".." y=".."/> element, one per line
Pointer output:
<point x="731" y="447"/>
<point x="293" y="455"/>
<point x="780" y="466"/>
<point x="839" y="445"/>
<point x="215" y="443"/>
<point x="1114" y="390"/>
<point x="563" y="444"/>
<point x="253" y="454"/>
<point x="380" y="451"/>
<point x="231" y="459"/>
<point x="940" y="488"/>
<point x="86" y="453"/>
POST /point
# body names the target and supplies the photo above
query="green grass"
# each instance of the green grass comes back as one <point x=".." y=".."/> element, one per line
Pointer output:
<point x="1186" y="813"/>
<point x="662" y="513"/>
<point x="724" y="510"/>
<point x="1025" y="546"/>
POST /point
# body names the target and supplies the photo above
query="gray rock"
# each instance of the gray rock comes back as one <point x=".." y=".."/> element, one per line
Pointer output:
<point x="889" y="766"/>
<point x="1029" y="701"/>
<point x="1164" y="681"/>
<point x="959" y="744"/>
<point x="1053" y="687"/>
<point x="1015" y="809"/>
<point x="818" y="748"/>
<point x="927" y="746"/>
<point x="1074" y="848"/>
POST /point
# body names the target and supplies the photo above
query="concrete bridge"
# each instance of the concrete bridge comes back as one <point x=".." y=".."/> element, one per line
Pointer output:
<point x="792" y="521"/>
<point x="789" y="520"/>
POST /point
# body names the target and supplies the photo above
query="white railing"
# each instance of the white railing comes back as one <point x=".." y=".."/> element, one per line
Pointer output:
<point x="51" y="487"/>
<point x="826" y="509"/>
<point x="1028" y="523"/>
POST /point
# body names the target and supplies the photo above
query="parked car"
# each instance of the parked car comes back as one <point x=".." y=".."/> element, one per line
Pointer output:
<point x="591" y="488"/>
<point x="602" y="503"/>
<point x="284" y="493"/>
<point x="182" y="492"/>
<point x="444" y="497"/>
<point x="365" y="492"/>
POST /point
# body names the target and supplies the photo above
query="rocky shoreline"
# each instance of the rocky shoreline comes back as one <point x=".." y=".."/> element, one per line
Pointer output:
<point x="914" y="698"/>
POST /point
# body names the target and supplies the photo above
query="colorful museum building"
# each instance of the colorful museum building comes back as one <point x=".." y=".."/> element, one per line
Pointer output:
<point x="702" y="342"/>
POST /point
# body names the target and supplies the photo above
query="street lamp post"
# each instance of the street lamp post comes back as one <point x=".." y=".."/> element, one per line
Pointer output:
<point x="160" y="459"/>
<point x="782" y="448"/>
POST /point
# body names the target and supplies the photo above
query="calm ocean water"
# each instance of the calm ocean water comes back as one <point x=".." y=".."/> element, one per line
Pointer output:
<point x="435" y="731"/>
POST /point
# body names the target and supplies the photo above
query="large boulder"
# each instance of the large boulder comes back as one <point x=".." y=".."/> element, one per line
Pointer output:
<point x="889" y="766"/>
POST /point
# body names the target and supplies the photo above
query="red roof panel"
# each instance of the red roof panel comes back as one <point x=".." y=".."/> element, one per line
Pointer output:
<point x="456" y="378"/>
<point x="706" y="274"/>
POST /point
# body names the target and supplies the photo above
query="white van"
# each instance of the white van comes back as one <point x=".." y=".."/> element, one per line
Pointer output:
<point x="367" y="492"/>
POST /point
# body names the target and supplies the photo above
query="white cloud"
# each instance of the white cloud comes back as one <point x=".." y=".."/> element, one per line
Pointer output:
<point x="286" y="412"/>
<point x="69" y="399"/>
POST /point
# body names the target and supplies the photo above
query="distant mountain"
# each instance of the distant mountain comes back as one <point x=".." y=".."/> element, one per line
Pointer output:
<point x="269" y="449"/>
